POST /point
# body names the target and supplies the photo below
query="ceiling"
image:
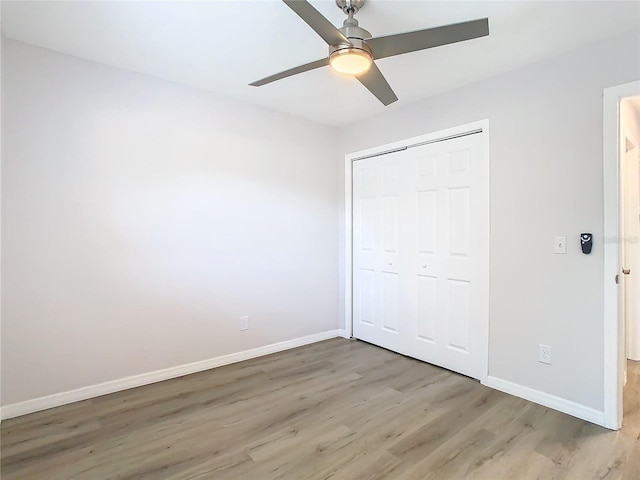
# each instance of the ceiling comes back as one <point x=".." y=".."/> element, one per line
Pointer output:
<point x="221" y="46"/>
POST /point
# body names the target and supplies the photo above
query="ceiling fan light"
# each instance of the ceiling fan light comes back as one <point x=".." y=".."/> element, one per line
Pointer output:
<point x="350" y="61"/>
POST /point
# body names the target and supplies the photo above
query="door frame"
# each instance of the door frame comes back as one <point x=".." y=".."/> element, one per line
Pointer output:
<point x="482" y="127"/>
<point x="614" y="334"/>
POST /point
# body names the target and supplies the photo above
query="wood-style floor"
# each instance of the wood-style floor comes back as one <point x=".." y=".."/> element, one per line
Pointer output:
<point x="336" y="409"/>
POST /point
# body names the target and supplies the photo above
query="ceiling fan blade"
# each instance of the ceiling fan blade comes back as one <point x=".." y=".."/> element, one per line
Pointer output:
<point x="292" y="71"/>
<point x="377" y="84"/>
<point x="315" y="20"/>
<point x="432" y="37"/>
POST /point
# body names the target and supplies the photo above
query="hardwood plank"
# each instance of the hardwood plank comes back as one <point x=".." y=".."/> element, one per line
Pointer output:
<point x="337" y="409"/>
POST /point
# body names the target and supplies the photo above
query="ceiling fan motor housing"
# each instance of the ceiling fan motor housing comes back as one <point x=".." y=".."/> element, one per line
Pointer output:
<point x="357" y="37"/>
<point x="356" y="44"/>
<point x="352" y="30"/>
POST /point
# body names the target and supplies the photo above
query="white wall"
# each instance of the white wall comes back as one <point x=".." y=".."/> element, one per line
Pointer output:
<point x="140" y="219"/>
<point x="546" y="180"/>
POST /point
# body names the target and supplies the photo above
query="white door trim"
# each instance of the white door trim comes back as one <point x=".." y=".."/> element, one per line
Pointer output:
<point x="613" y="328"/>
<point x="482" y="125"/>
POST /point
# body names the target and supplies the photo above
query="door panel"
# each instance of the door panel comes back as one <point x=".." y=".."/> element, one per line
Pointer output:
<point x="367" y="224"/>
<point x="459" y="207"/>
<point x="427" y="300"/>
<point x="366" y="296"/>
<point x="420" y="233"/>
<point x="459" y="315"/>
<point x="426" y="224"/>
<point x="390" y="224"/>
<point x="390" y="301"/>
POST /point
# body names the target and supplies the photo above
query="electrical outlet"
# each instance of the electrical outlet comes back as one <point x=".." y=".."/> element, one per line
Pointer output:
<point x="244" y="323"/>
<point x="544" y="354"/>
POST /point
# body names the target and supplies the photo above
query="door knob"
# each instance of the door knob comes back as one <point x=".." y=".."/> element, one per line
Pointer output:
<point x="424" y="266"/>
<point x="626" y="271"/>
<point x="390" y="263"/>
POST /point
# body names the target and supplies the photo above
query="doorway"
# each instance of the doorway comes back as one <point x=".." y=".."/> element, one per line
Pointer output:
<point x="418" y="259"/>
<point x="629" y="159"/>
<point x="621" y="136"/>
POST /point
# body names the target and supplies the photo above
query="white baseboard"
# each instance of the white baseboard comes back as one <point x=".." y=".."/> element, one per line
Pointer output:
<point x="343" y="333"/>
<point x="92" y="391"/>
<point x="562" y="405"/>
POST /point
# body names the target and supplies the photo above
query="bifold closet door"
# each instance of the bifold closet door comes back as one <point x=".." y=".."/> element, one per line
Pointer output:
<point x="420" y="245"/>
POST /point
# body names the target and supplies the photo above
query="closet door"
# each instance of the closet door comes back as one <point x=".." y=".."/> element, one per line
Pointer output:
<point x="420" y="243"/>
<point x="379" y="228"/>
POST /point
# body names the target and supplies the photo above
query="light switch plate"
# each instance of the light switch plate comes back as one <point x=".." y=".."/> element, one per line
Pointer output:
<point x="560" y="245"/>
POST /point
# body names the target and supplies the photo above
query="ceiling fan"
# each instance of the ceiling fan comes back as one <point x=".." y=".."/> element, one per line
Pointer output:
<point x="352" y="50"/>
